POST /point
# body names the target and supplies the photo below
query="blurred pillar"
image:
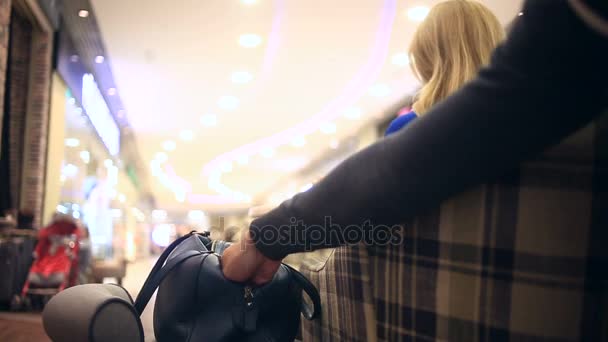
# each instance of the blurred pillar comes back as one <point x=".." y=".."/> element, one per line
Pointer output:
<point x="31" y="191"/>
<point x="55" y="148"/>
<point x="5" y="197"/>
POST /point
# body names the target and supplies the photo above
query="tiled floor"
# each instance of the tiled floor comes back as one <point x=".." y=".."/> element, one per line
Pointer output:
<point x="21" y="328"/>
<point x="27" y="327"/>
<point x="136" y="275"/>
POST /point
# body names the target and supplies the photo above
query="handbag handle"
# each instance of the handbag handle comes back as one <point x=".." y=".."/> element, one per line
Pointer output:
<point x="160" y="271"/>
<point x="313" y="311"/>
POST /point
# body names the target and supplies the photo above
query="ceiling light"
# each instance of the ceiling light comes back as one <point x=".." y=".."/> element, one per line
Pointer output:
<point x="241" y="197"/>
<point x="212" y="183"/>
<point x="209" y="120"/>
<point x="196" y="215"/>
<point x="159" y="214"/>
<point x="328" y="128"/>
<point x="72" y="142"/>
<point x="227" y="167"/>
<point x="169" y="145"/>
<point x="186" y="135"/>
<point x="122" y="198"/>
<point x="161" y="157"/>
<point x="83" y="13"/>
<point x="228" y="102"/>
<point x="237" y="196"/>
<point x="243" y="160"/>
<point x="298" y="142"/>
<point x="379" y="90"/>
<point x="249" y="2"/>
<point x="418" y="13"/>
<point x="116" y="213"/>
<point x="520" y="14"/>
<point x="108" y="163"/>
<point x="99" y="59"/>
<point x="290" y="164"/>
<point x="85" y="156"/>
<point x="353" y="113"/>
<point x="155" y="167"/>
<point x="250" y="40"/>
<point x="161" y="235"/>
<point x="267" y="152"/>
<point x="334" y="144"/>
<point x="112" y="91"/>
<point x="69" y="170"/>
<point x="400" y="59"/>
<point x="241" y="77"/>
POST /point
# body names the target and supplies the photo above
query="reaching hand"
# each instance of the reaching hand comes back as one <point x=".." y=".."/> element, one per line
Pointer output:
<point x="243" y="262"/>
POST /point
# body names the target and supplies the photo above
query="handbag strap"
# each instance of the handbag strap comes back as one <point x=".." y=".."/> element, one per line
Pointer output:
<point x="160" y="271"/>
<point x="309" y="312"/>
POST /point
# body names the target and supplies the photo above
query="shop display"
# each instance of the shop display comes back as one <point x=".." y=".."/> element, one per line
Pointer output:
<point x="95" y="185"/>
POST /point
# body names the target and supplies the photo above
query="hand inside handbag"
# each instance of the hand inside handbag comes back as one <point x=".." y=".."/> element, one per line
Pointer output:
<point x="194" y="302"/>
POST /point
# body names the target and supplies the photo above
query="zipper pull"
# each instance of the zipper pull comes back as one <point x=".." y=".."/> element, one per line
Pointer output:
<point x="248" y="315"/>
<point x="248" y="296"/>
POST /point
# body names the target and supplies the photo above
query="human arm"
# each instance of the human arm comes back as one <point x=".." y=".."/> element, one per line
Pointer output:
<point x="546" y="81"/>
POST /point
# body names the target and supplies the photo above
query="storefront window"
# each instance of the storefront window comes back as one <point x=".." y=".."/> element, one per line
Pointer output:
<point x="89" y="179"/>
<point x="96" y="187"/>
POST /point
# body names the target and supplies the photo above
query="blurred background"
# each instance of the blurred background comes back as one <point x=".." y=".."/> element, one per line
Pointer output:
<point x="144" y="120"/>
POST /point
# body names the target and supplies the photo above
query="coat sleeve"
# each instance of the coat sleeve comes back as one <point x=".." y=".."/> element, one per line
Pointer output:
<point x="547" y="80"/>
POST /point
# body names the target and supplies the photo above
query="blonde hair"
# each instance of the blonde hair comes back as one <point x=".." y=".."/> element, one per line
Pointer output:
<point x="450" y="46"/>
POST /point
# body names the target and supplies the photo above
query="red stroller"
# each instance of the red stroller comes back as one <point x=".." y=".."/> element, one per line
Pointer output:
<point x="55" y="264"/>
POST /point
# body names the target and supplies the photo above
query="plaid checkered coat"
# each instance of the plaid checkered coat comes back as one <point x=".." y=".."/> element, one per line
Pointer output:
<point x="522" y="259"/>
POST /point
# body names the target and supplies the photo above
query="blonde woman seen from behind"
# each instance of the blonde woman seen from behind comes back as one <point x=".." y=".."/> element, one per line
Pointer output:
<point x="449" y="47"/>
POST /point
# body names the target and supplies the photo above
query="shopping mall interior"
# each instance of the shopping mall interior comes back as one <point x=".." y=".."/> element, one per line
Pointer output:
<point x="134" y="123"/>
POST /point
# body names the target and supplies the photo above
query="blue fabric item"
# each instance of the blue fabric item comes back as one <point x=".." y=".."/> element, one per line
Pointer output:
<point x="400" y="122"/>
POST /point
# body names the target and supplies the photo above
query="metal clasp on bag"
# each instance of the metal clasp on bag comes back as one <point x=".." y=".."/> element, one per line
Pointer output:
<point x="247" y="317"/>
<point x="248" y="296"/>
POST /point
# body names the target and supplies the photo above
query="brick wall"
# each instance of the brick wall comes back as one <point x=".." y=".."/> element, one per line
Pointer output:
<point x="18" y="83"/>
<point x="28" y="88"/>
<point x="36" y="130"/>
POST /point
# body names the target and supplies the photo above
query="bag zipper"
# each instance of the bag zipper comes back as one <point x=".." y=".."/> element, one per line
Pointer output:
<point x="248" y="296"/>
